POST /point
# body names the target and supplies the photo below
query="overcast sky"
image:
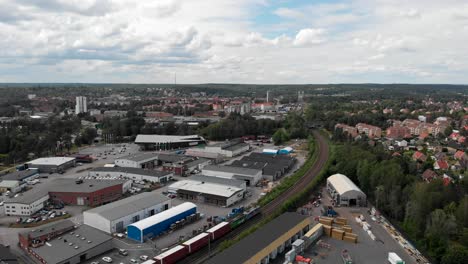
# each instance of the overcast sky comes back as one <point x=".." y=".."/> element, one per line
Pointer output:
<point x="235" y="41"/>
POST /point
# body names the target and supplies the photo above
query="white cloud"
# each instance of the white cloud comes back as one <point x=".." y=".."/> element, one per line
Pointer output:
<point x="233" y="41"/>
<point x="309" y="36"/>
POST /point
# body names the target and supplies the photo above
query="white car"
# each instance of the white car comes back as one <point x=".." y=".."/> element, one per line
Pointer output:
<point x="133" y="261"/>
<point x="2" y="203"/>
<point x="144" y="257"/>
<point x="107" y="259"/>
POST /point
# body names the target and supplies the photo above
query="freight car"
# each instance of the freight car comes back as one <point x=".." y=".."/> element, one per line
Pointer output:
<point x="219" y="230"/>
<point x="172" y="255"/>
<point x="196" y="242"/>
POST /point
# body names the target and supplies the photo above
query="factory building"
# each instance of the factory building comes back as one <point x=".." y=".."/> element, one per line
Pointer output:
<point x="87" y="192"/>
<point x="75" y="246"/>
<point x="250" y="176"/>
<point x="14" y="181"/>
<point x="116" y="216"/>
<point x="212" y="190"/>
<point x="159" y="223"/>
<point x="139" y="160"/>
<point x="267" y="242"/>
<point x="273" y="166"/>
<point x="226" y="149"/>
<point x="153" y="176"/>
<point x="165" y="142"/>
<point x="38" y="237"/>
<point x="52" y="164"/>
<point x="344" y="192"/>
<point x="26" y="204"/>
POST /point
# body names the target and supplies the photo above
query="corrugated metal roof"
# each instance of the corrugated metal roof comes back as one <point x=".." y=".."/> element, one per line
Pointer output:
<point x="229" y="169"/>
<point x="260" y="239"/>
<point x="157" y="218"/>
<point x="342" y="184"/>
<point x="130" y="205"/>
<point x="167" y="138"/>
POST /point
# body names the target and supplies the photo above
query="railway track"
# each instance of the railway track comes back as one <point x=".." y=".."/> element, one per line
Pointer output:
<point x="323" y="153"/>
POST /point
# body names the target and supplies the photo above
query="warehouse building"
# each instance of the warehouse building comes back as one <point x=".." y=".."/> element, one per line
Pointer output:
<point x="227" y="149"/>
<point x="157" y="224"/>
<point x="273" y="166"/>
<point x="153" y="176"/>
<point x="21" y="176"/>
<point x="26" y="204"/>
<point x="38" y="237"/>
<point x="212" y="190"/>
<point x="87" y="192"/>
<point x="76" y="246"/>
<point x="115" y="217"/>
<point x="139" y="160"/>
<point x="344" y="192"/>
<point x="165" y="142"/>
<point x="250" y="176"/>
<point x="52" y="164"/>
<point x="267" y="242"/>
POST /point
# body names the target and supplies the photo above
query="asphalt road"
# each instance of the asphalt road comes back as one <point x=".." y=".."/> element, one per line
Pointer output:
<point x="322" y="158"/>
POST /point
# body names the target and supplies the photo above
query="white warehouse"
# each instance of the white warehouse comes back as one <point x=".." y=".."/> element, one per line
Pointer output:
<point x="26" y="204"/>
<point x="250" y="176"/>
<point x="115" y="217"/>
<point x="344" y="192"/>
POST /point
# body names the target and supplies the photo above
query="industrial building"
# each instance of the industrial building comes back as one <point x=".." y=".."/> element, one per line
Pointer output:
<point x="52" y="164"/>
<point x="38" y="237"/>
<point x="273" y="166"/>
<point x="213" y="190"/>
<point x="26" y="204"/>
<point x="21" y="176"/>
<point x="344" y="192"/>
<point x="165" y="142"/>
<point x="227" y="149"/>
<point x="139" y="160"/>
<point x="159" y="223"/>
<point x="75" y="246"/>
<point x="116" y="216"/>
<point x="267" y="242"/>
<point x="87" y="192"/>
<point x="153" y="176"/>
<point x="250" y="176"/>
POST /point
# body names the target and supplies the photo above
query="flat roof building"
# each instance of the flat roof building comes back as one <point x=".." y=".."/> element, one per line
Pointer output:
<point x="138" y="160"/>
<point x="344" y="192"/>
<point x="73" y="247"/>
<point x="167" y="142"/>
<point x="228" y="149"/>
<point x="52" y="164"/>
<point x="87" y="192"/>
<point x="218" y="191"/>
<point x="132" y="173"/>
<point x="27" y="203"/>
<point x="267" y="242"/>
<point x="116" y="216"/>
<point x="251" y="176"/>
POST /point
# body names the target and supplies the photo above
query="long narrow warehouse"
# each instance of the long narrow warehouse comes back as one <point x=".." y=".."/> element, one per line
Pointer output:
<point x="267" y="242"/>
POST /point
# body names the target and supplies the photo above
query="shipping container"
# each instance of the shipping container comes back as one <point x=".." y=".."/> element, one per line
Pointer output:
<point x="172" y="255"/>
<point x="197" y="242"/>
<point x="270" y="151"/>
<point x="219" y="230"/>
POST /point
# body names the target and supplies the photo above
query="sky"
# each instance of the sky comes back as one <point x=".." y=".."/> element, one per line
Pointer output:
<point x="234" y="41"/>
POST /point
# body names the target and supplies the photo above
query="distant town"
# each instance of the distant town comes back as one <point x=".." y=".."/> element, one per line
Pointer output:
<point x="233" y="173"/>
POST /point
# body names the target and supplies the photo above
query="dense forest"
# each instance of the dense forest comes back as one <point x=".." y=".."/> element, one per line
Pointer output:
<point x="432" y="215"/>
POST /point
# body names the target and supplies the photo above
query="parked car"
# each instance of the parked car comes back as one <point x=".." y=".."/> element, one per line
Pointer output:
<point x="123" y="252"/>
<point x="144" y="257"/>
<point x="133" y="261"/>
<point x="2" y="203"/>
<point x="107" y="259"/>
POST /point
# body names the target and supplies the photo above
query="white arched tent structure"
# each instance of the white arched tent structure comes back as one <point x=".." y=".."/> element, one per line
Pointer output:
<point x="344" y="192"/>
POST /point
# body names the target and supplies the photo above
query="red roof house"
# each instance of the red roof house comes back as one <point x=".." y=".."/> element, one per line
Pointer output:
<point x="459" y="155"/>
<point x="419" y="156"/>
<point x="441" y="165"/>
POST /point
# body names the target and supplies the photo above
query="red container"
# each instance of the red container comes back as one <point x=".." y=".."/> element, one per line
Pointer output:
<point x="172" y="255"/>
<point x="219" y="230"/>
<point x="197" y="242"/>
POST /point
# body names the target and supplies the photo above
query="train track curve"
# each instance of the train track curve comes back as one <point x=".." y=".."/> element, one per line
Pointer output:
<point x="323" y="154"/>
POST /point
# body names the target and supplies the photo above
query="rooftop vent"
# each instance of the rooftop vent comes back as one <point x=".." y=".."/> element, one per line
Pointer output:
<point x="71" y="233"/>
<point x="77" y="235"/>
<point x="89" y="241"/>
<point x="83" y="238"/>
<point x="76" y="247"/>
<point x="70" y="244"/>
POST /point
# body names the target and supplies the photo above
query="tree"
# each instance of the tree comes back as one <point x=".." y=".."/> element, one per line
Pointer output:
<point x="280" y="136"/>
<point x="455" y="255"/>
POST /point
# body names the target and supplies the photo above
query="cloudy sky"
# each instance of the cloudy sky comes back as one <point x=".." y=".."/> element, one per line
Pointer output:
<point x="235" y="41"/>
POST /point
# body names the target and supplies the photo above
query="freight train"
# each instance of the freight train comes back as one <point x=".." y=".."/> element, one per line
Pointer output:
<point x="198" y="242"/>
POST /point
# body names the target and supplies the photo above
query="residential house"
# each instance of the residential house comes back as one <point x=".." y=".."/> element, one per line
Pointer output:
<point x="441" y="165"/>
<point x="419" y="156"/>
<point x="429" y="175"/>
<point x="459" y="155"/>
